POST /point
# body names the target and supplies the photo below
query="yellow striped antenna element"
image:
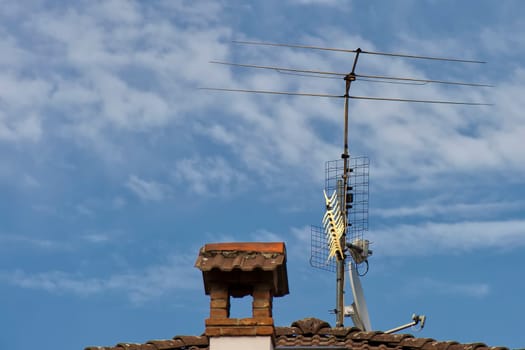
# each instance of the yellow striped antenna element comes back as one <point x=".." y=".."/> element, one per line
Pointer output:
<point x="334" y="224"/>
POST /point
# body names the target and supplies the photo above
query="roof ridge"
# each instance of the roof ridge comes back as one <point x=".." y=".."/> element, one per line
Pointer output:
<point x="312" y="331"/>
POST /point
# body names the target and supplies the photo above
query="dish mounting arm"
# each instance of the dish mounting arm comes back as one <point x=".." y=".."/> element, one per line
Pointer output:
<point x="416" y="319"/>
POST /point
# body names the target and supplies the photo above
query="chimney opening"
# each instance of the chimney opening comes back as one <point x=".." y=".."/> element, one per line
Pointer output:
<point x="240" y="307"/>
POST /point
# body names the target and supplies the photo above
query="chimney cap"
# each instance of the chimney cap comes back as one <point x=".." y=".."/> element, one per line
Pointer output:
<point x="258" y="247"/>
<point x="245" y="264"/>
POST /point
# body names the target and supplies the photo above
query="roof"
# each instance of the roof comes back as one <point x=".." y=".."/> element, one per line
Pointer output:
<point x="244" y="262"/>
<point x="314" y="332"/>
<point x="178" y="342"/>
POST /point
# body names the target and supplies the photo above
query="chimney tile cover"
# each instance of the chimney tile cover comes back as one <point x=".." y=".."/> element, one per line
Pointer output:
<point x="236" y="270"/>
<point x="247" y="263"/>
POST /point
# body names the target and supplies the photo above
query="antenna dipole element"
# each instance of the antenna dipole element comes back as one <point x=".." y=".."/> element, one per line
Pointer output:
<point x="392" y="54"/>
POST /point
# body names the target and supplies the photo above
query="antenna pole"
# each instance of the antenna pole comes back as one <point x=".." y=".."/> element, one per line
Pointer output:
<point x="340" y="265"/>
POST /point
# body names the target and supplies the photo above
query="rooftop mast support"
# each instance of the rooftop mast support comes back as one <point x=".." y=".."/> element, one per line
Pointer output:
<point x="340" y="265"/>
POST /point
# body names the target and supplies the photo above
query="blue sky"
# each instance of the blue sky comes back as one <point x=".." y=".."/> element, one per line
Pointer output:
<point x="115" y="169"/>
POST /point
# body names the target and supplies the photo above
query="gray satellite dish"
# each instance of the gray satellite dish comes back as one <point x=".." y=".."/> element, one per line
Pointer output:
<point x="358" y="310"/>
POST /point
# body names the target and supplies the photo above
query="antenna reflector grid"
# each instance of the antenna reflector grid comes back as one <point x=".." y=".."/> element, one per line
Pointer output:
<point x="319" y="251"/>
<point x="357" y="213"/>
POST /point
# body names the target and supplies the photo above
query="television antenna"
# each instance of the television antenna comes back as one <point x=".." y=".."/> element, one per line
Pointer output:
<point x="346" y="182"/>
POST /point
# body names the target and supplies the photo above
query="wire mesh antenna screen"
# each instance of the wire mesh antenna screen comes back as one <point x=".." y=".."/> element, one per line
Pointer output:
<point x="357" y="212"/>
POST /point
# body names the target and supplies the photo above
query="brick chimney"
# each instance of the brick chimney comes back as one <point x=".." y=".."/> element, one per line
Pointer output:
<point x="238" y="270"/>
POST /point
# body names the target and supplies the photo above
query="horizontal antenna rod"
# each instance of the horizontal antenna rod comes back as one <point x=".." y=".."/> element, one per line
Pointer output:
<point x="421" y="101"/>
<point x="282" y="69"/>
<point x="357" y="50"/>
<point x="272" y="92"/>
<point x="423" y="80"/>
<point x="342" y="96"/>
<point x="278" y="68"/>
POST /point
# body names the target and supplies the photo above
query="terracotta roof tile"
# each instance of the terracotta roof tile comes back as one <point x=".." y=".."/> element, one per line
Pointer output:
<point x="180" y="342"/>
<point x="473" y="346"/>
<point x="191" y="340"/>
<point x="390" y="339"/>
<point x="271" y="247"/>
<point x="131" y="346"/>
<point x="315" y="332"/>
<point x="435" y="345"/>
<point x="165" y="344"/>
<point x="458" y="346"/>
<point x="364" y="335"/>
<point x="310" y="331"/>
<point x="415" y="343"/>
<point x="290" y="331"/>
<point x="244" y="261"/>
<point x="310" y="325"/>
<point x="343" y="331"/>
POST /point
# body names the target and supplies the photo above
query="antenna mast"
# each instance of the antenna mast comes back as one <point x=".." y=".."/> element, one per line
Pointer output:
<point x="340" y="267"/>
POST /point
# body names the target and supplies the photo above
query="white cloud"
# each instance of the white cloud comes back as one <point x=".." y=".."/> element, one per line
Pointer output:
<point x="301" y="234"/>
<point x="266" y="236"/>
<point x="39" y="243"/>
<point x="209" y="176"/>
<point x="108" y="68"/>
<point x="83" y="209"/>
<point x="101" y="66"/>
<point x="431" y="209"/>
<point x="299" y="243"/>
<point x="405" y="140"/>
<point x="47" y="244"/>
<point x="19" y="119"/>
<point x="448" y="238"/>
<point x="200" y="13"/>
<point x="29" y="181"/>
<point x="340" y="3"/>
<point x="118" y="203"/>
<point x="97" y="237"/>
<point x="139" y="286"/>
<point x="496" y="41"/>
<point x="147" y="190"/>
<point x="430" y="285"/>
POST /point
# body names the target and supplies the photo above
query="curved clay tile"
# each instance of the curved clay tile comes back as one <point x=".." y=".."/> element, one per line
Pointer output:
<point x="310" y="325"/>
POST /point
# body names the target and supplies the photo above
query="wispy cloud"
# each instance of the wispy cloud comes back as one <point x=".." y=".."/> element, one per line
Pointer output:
<point x="209" y="176"/>
<point x="140" y="286"/>
<point x="7" y="241"/>
<point x="465" y="289"/>
<point x="99" y="237"/>
<point x="454" y="209"/>
<point x="339" y="3"/>
<point x="88" y="76"/>
<point x="147" y="190"/>
<point x="102" y="66"/>
<point x="448" y="238"/>
<point x="39" y="243"/>
<point x="29" y="181"/>
<point x="266" y="236"/>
